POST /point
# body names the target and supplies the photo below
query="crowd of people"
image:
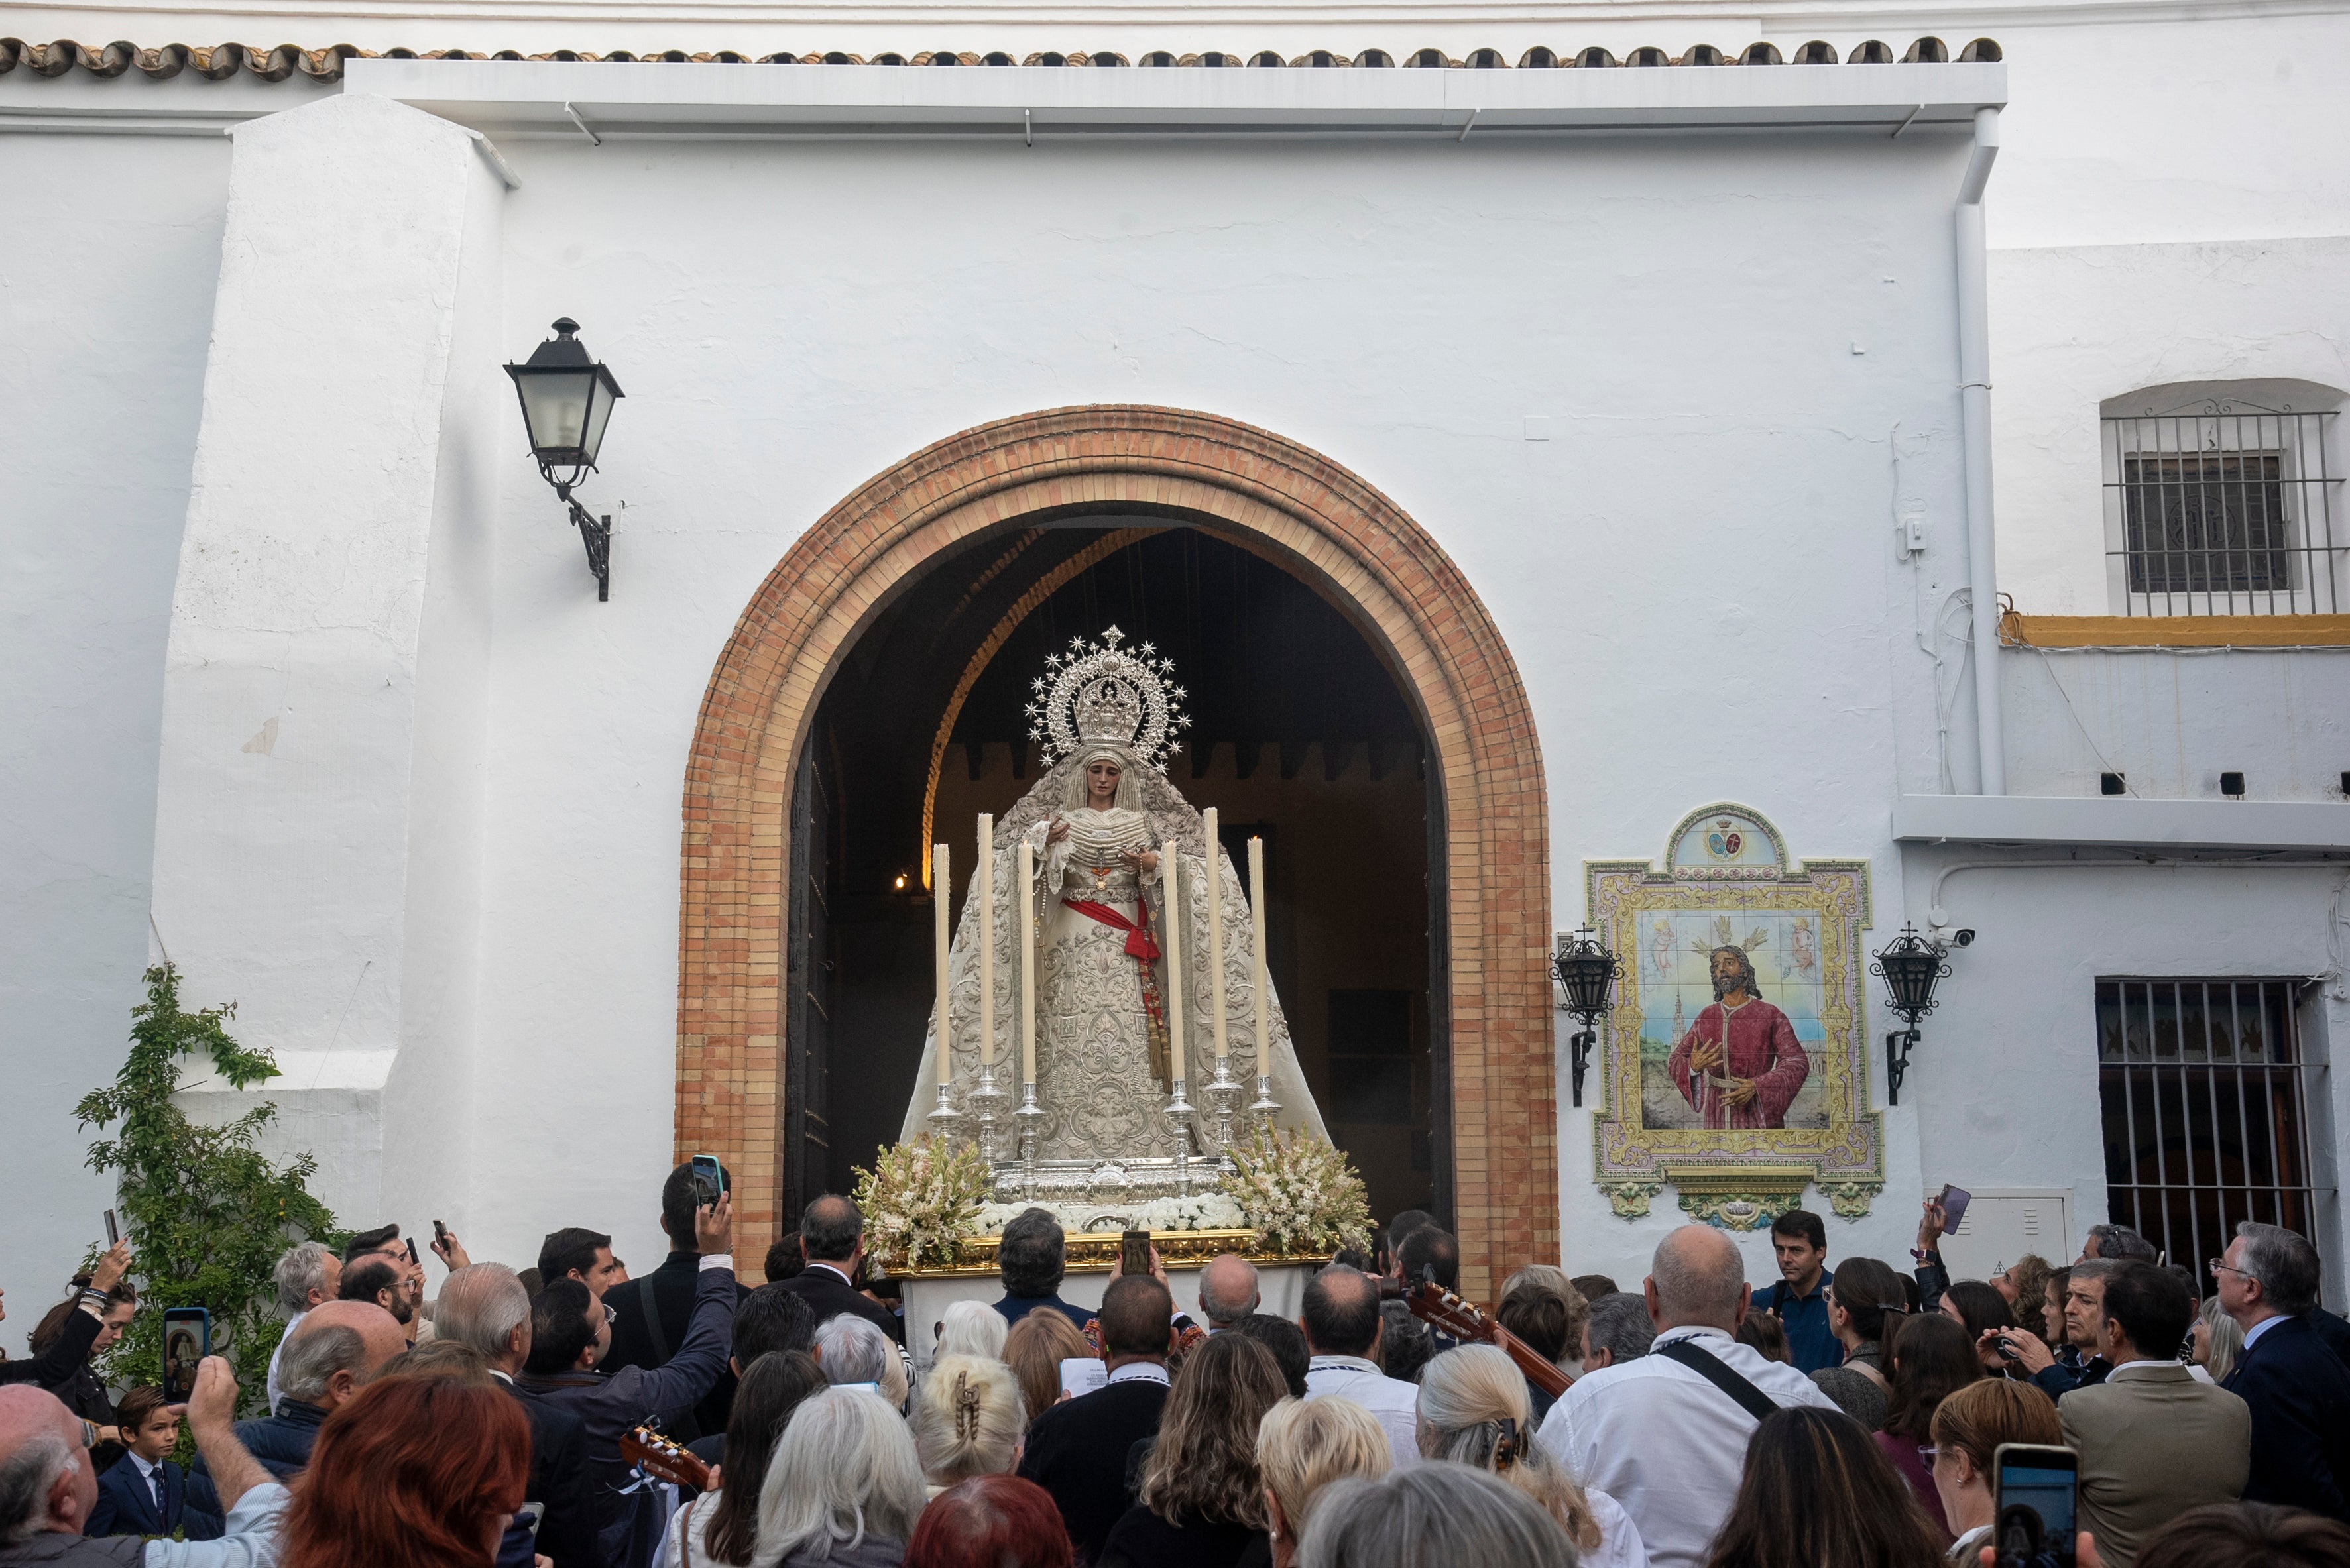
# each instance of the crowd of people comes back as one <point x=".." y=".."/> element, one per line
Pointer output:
<point x="570" y="1415"/>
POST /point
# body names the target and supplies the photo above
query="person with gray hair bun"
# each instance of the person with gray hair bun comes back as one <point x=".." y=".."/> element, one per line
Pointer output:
<point x="2295" y="1382"/>
<point x="484" y="1308"/>
<point x="1617" y="1329"/>
<point x="1432" y="1516"/>
<point x="1666" y="1435"/>
<point x="844" y="1486"/>
<point x="969" y="1421"/>
<point x="1473" y="1410"/>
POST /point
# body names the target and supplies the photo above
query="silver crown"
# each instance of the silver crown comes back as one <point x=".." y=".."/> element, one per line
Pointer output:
<point x="1098" y="693"/>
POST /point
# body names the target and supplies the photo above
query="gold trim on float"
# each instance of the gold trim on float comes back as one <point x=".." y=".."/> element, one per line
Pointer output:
<point x="1093" y="1252"/>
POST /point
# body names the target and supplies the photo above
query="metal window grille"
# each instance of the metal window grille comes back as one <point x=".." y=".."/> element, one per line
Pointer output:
<point x="2200" y="1084"/>
<point x="2222" y="508"/>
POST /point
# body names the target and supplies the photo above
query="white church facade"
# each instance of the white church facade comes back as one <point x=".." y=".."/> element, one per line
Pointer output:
<point x="1743" y="496"/>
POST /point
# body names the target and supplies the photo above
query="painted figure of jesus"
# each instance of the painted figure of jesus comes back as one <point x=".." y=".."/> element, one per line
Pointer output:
<point x="1740" y="1064"/>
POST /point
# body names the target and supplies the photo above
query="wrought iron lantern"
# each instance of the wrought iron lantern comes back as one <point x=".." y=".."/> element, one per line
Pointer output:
<point x="1586" y="971"/>
<point x="1911" y="965"/>
<point x="567" y="400"/>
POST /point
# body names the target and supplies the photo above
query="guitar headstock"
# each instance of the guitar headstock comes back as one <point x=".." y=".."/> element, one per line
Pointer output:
<point x="664" y="1459"/>
<point x="1439" y="1308"/>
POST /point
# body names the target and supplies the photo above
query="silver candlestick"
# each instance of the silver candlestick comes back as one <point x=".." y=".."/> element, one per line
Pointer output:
<point x="983" y="1100"/>
<point x="1265" y="1106"/>
<point x="945" y="1117"/>
<point x="1223" y="1090"/>
<point x="1180" y="1111"/>
<point x="1028" y="1116"/>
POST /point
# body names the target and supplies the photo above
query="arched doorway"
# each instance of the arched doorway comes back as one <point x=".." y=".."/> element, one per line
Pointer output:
<point x="1268" y="495"/>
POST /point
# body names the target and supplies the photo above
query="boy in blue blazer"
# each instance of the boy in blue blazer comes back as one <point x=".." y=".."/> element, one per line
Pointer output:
<point x="144" y="1493"/>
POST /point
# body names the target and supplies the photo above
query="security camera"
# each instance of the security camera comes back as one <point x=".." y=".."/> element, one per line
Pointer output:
<point x="1964" y="937"/>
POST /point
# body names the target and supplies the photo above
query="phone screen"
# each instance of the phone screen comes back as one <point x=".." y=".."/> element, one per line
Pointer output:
<point x="1134" y="1252"/>
<point x="2044" y="1480"/>
<point x="709" y="1180"/>
<point x="113" y="1230"/>
<point x="187" y="1340"/>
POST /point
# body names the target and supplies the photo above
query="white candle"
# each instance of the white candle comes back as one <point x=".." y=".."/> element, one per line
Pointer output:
<point x="1026" y="868"/>
<point x="1216" y="933"/>
<point x="940" y="887"/>
<point x="1171" y="889"/>
<point x="986" y="887"/>
<point x="1256" y="939"/>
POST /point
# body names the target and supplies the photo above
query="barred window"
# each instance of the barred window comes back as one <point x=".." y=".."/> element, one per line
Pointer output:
<point x="2200" y="1082"/>
<point x="2221" y="503"/>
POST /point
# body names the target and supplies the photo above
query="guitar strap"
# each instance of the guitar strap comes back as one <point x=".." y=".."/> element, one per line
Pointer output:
<point x="1708" y="1366"/>
<point x="654" y="1331"/>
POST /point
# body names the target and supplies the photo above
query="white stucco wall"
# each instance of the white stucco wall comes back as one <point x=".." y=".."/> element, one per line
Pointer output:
<point x="103" y="322"/>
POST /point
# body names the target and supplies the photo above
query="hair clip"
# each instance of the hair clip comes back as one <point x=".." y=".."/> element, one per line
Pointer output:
<point x="966" y="1404"/>
<point x="1505" y="1447"/>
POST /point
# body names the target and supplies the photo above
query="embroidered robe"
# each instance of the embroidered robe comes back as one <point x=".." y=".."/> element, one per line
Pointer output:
<point x="1763" y="1046"/>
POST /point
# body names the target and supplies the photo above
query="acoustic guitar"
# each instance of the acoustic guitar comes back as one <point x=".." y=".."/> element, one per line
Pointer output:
<point x="664" y="1459"/>
<point x="1471" y="1323"/>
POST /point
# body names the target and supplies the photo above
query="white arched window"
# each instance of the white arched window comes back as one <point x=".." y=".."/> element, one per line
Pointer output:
<point x="2224" y="498"/>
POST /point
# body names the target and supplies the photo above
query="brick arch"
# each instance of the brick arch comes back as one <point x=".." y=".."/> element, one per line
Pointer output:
<point x="1266" y="493"/>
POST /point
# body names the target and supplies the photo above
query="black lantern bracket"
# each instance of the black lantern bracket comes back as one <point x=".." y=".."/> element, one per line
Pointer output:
<point x="567" y="400"/>
<point x="1910" y="966"/>
<point x="1587" y="972"/>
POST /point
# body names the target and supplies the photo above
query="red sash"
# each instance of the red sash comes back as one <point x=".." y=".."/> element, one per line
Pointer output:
<point x="1138" y="942"/>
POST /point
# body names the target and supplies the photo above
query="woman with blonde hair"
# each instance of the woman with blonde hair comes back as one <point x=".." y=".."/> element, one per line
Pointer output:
<point x="1302" y="1446"/>
<point x="1201" y="1502"/>
<point x="1035" y="1350"/>
<point x="970" y="1421"/>
<point x="971" y="1328"/>
<point x="2217" y="1341"/>
<point x="1473" y="1409"/>
<point x="1969" y="1426"/>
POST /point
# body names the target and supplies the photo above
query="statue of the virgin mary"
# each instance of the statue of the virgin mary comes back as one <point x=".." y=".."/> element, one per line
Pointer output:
<point x="1098" y="821"/>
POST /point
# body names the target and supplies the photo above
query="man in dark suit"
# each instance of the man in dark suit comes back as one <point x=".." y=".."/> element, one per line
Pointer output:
<point x="486" y="1307"/>
<point x="336" y="1351"/>
<point x="144" y="1493"/>
<point x="832" y="1234"/>
<point x="1078" y="1450"/>
<point x="1034" y="1259"/>
<point x="650" y="1315"/>
<point x="2298" y="1389"/>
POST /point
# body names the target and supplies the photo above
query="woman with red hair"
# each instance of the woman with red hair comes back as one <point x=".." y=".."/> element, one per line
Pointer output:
<point x="414" y="1472"/>
<point x="991" y="1521"/>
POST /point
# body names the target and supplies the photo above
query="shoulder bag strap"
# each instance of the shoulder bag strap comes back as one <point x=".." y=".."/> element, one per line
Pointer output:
<point x="654" y="1333"/>
<point x="1708" y="1366"/>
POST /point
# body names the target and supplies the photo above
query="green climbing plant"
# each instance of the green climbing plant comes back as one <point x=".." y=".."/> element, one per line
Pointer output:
<point x="206" y="1212"/>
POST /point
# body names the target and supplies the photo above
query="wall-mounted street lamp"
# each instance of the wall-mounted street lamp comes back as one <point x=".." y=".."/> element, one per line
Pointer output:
<point x="1911" y="965"/>
<point x="1586" y="971"/>
<point x="567" y="400"/>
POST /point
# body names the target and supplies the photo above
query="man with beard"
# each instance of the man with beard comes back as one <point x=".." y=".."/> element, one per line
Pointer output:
<point x="1740" y="1064"/>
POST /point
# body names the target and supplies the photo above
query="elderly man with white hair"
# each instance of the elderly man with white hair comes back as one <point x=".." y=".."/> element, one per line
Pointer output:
<point x="47" y="1486"/>
<point x="853" y="1353"/>
<point x="486" y="1307"/>
<point x="1665" y="1434"/>
<point x="310" y="1273"/>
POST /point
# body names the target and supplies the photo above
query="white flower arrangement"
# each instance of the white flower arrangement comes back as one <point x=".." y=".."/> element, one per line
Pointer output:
<point x="1200" y="1211"/>
<point x="1299" y="1193"/>
<point x="921" y="1199"/>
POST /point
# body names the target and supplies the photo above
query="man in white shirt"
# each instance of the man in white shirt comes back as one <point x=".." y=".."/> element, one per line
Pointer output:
<point x="307" y="1275"/>
<point x="1659" y="1434"/>
<point x="1342" y="1325"/>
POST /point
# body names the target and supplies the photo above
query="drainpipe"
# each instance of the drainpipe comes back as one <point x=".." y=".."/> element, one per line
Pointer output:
<point x="1974" y="424"/>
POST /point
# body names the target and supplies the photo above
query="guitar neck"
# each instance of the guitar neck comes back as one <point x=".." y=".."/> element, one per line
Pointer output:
<point x="1540" y="1371"/>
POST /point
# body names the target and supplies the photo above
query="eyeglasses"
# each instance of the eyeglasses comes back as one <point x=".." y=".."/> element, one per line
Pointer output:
<point x="2218" y="1267"/>
<point x="611" y="1315"/>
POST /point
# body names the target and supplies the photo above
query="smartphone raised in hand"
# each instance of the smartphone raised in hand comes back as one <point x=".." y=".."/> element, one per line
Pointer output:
<point x="2036" y="1490"/>
<point x="414" y="1260"/>
<point x="113" y="1230"/>
<point x="187" y="1340"/>
<point x="1954" y="1201"/>
<point x="709" y="1180"/>
<point x="1134" y="1254"/>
